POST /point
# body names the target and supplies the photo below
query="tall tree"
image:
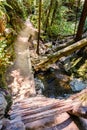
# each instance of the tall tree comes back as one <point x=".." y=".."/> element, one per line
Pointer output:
<point x="39" y="23"/>
<point x="48" y="15"/>
<point x="82" y="22"/>
<point x="54" y="12"/>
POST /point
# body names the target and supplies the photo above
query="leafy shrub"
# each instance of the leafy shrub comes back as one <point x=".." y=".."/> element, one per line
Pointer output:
<point x="18" y="8"/>
<point x="53" y="31"/>
<point x="4" y="61"/>
<point x="61" y="29"/>
<point x="4" y="55"/>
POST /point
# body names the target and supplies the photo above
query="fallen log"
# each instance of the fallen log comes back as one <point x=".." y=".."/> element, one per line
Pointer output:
<point x="57" y="122"/>
<point x="61" y="46"/>
<point x="41" y="113"/>
<point x="46" y="61"/>
<point x="81" y="109"/>
<point x="66" y="44"/>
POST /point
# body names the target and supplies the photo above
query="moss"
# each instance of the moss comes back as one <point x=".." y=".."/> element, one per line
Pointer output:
<point x="9" y="104"/>
<point x="79" y="67"/>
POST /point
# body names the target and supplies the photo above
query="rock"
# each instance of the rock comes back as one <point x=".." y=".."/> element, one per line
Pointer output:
<point x="3" y="102"/>
<point x="83" y="122"/>
<point x="0" y="124"/>
<point x="10" y="125"/>
<point x="67" y="61"/>
<point x="77" y="85"/>
<point x="48" y="45"/>
<point x="3" y="105"/>
<point x="15" y="124"/>
<point x="39" y="86"/>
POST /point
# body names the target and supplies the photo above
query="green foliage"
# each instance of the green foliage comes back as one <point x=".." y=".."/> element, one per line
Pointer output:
<point x="18" y="8"/>
<point x="12" y="14"/>
<point x="4" y="61"/>
<point x="34" y="19"/>
<point x="61" y="29"/>
<point x="53" y="30"/>
<point x="67" y="28"/>
<point x="64" y="20"/>
<point x="3" y="11"/>
<point x="4" y="55"/>
<point x="61" y="20"/>
<point x="61" y="26"/>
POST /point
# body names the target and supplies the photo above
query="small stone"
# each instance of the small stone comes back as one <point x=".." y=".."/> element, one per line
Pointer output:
<point x="15" y="126"/>
<point x="0" y="124"/>
<point x="77" y="85"/>
<point x="39" y="86"/>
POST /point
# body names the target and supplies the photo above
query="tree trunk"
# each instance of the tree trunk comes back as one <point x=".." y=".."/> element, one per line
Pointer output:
<point x="82" y="22"/>
<point x="48" y="15"/>
<point x="39" y="25"/>
<point x="54" y="12"/>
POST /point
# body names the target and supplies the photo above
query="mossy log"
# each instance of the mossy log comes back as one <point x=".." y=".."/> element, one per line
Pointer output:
<point x="46" y="61"/>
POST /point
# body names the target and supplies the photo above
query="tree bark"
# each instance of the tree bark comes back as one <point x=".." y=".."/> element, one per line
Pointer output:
<point x="42" y="113"/>
<point x="39" y="25"/>
<point x="54" y="12"/>
<point x="46" y="113"/>
<point x="82" y="22"/>
<point x="48" y="15"/>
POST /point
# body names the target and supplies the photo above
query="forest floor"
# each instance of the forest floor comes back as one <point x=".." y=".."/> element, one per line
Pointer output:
<point x="61" y="79"/>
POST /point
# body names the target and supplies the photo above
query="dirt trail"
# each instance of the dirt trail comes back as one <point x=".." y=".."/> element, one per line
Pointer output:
<point x="22" y="47"/>
<point x="21" y="80"/>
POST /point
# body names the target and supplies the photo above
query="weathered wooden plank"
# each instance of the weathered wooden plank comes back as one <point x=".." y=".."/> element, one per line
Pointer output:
<point x="56" y="122"/>
<point x="47" y="114"/>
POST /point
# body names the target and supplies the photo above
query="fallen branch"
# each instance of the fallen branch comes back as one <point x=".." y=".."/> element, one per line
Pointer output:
<point x="45" y="62"/>
<point x="61" y="46"/>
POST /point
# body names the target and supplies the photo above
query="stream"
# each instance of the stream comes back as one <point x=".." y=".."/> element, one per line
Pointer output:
<point x="55" y="83"/>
